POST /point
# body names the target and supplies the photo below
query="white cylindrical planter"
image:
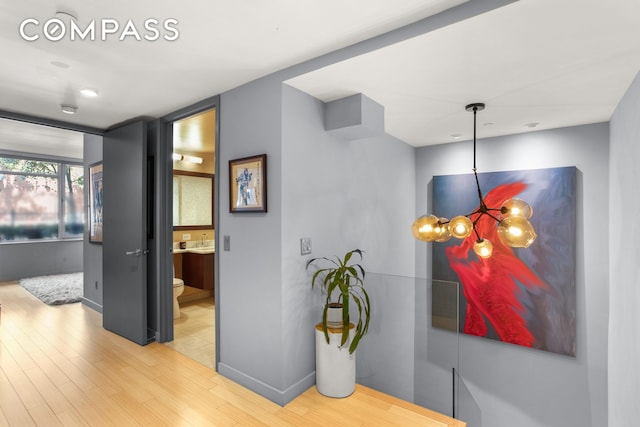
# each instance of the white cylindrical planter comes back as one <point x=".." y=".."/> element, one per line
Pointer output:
<point x="335" y="367"/>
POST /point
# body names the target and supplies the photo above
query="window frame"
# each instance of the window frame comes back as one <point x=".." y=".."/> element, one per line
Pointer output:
<point x="62" y="163"/>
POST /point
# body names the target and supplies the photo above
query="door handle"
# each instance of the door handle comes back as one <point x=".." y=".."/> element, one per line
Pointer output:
<point x="137" y="252"/>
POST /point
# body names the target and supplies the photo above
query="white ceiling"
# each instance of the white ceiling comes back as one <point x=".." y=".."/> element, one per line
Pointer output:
<point x="545" y="62"/>
<point x="557" y="63"/>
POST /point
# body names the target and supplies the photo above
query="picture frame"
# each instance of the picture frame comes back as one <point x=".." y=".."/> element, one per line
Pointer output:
<point x="95" y="203"/>
<point x="248" y="184"/>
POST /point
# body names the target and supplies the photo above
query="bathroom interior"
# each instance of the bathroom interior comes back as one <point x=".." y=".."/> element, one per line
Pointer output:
<point x="193" y="237"/>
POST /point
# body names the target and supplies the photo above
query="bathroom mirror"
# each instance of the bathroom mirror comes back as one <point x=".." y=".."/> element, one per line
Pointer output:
<point x="192" y="200"/>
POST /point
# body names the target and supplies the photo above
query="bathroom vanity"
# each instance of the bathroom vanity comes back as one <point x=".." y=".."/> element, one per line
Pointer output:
<point x="195" y="267"/>
<point x="197" y="270"/>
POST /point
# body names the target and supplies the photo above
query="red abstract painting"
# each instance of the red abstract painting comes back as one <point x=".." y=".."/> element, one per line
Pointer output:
<point x="517" y="296"/>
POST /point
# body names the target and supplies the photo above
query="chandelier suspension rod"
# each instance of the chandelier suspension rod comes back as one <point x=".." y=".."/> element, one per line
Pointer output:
<point x="475" y="107"/>
<point x="475" y="112"/>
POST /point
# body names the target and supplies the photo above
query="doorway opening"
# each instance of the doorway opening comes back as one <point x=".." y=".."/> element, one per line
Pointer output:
<point x="194" y="211"/>
<point x="42" y="189"/>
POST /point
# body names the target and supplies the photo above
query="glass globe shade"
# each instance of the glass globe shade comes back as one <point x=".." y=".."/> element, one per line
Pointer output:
<point x="424" y="228"/>
<point x="516" y="207"/>
<point x="443" y="230"/>
<point x="460" y="227"/>
<point x="517" y="232"/>
<point x="483" y="248"/>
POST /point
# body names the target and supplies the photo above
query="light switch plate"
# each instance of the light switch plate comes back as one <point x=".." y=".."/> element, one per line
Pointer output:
<point x="226" y="243"/>
<point x="305" y="245"/>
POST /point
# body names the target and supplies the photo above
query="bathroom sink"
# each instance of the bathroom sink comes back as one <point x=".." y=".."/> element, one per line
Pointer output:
<point x="202" y="250"/>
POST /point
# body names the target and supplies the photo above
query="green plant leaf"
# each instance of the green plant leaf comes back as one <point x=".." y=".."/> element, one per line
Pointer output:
<point x="345" y="319"/>
<point x="358" y="332"/>
<point x="324" y="322"/>
<point x="347" y="257"/>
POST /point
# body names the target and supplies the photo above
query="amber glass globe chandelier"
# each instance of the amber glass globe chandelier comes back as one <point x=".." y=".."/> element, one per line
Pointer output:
<point x="512" y="218"/>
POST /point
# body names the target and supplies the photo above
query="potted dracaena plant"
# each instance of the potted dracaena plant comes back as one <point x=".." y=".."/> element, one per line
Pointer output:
<point x="344" y="282"/>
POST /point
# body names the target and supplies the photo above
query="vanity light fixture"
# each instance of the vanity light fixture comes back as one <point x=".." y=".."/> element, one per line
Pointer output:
<point x="191" y="159"/>
<point x="68" y="109"/>
<point x="512" y="218"/>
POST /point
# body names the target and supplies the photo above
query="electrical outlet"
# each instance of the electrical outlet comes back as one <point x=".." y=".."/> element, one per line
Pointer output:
<point x="186" y="236"/>
<point x="226" y="243"/>
<point x="305" y="245"/>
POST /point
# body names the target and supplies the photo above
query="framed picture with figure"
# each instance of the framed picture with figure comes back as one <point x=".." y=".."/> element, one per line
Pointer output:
<point x="248" y="184"/>
<point x="95" y="203"/>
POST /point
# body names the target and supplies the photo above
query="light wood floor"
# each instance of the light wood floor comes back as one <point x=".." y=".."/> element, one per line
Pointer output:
<point x="58" y="366"/>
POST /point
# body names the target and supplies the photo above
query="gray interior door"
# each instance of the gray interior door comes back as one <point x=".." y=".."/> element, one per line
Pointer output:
<point x="124" y="245"/>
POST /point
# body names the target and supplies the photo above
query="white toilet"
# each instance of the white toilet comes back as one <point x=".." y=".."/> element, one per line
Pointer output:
<point x="178" y="288"/>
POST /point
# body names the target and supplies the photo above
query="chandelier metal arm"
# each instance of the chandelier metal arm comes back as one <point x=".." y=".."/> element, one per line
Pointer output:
<point x="482" y="210"/>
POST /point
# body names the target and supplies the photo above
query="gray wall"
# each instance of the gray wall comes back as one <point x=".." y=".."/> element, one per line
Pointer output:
<point x="92" y="252"/>
<point x="339" y="193"/>
<point x="29" y="259"/>
<point x="345" y="195"/>
<point x="624" y="235"/>
<point x="250" y="293"/>
<point x="513" y="385"/>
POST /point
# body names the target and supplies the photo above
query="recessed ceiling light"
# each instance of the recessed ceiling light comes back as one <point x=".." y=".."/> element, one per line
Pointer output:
<point x="487" y="124"/>
<point x="60" y="64"/>
<point x="456" y="135"/>
<point x="89" y="92"/>
<point x="68" y="109"/>
<point x="532" y="125"/>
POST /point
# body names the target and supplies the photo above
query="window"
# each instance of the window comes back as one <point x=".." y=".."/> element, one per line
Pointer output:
<point x="40" y="199"/>
<point x="73" y="201"/>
